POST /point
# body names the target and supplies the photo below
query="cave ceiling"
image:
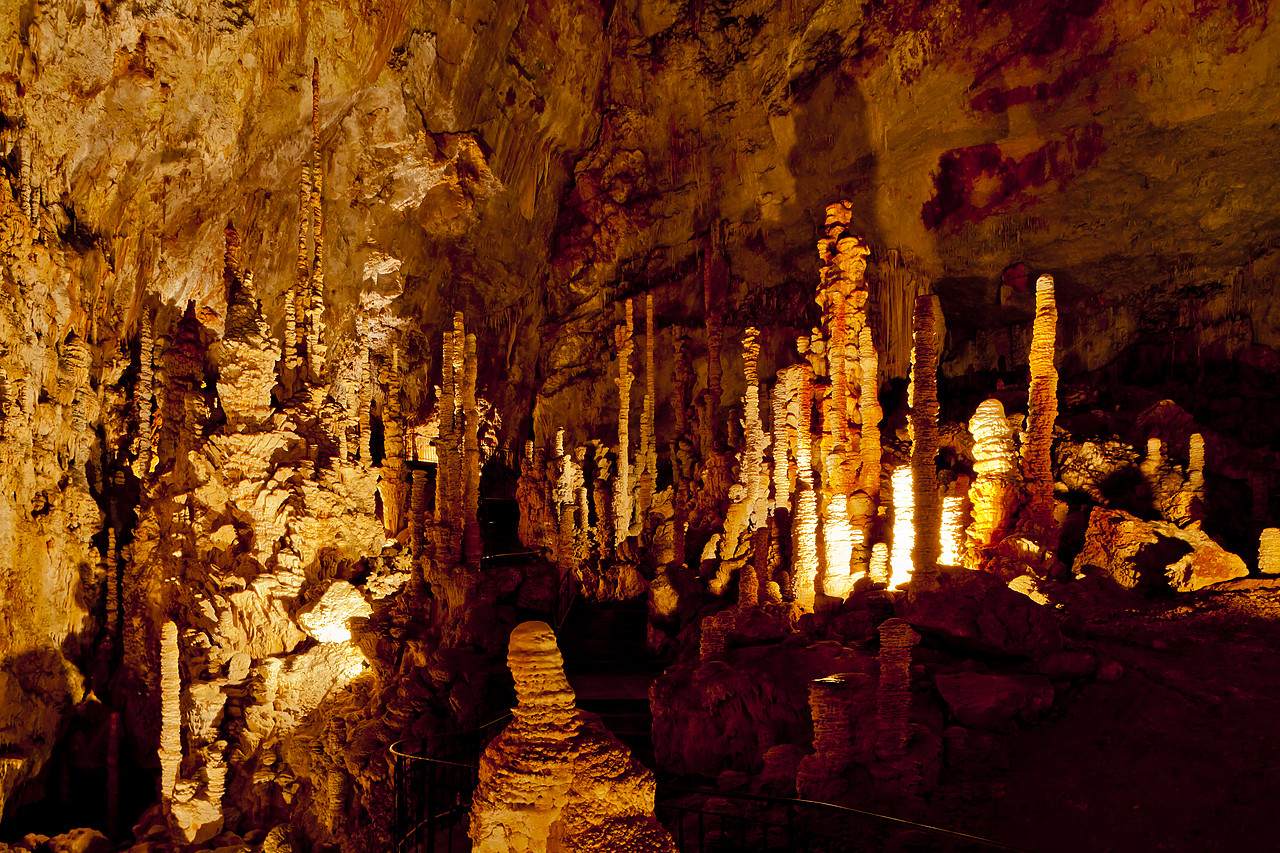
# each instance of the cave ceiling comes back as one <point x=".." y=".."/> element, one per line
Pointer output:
<point x="530" y="162"/>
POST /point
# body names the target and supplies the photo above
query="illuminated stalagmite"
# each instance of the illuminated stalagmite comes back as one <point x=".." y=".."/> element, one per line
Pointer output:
<point x="315" y="287"/>
<point x="1269" y="551"/>
<point x="784" y="473"/>
<point x="391" y="486"/>
<point x="902" y="498"/>
<point x="923" y="402"/>
<point x="622" y="497"/>
<point x="170" y="711"/>
<point x="804" y="563"/>
<point x="447" y="441"/>
<point x="996" y="484"/>
<point x="143" y="394"/>
<point x="750" y="495"/>
<point x="555" y="780"/>
<point x="1042" y="413"/>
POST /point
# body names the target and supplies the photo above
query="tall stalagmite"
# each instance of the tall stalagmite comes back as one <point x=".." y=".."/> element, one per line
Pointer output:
<point x="749" y="509"/>
<point x="170" y="711"/>
<point x="391" y="484"/>
<point x="804" y="569"/>
<point x="648" y="449"/>
<point x="472" y="545"/>
<point x="1042" y="414"/>
<point x="622" y="496"/>
<point x="923" y="402"/>
<point x="315" y="289"/>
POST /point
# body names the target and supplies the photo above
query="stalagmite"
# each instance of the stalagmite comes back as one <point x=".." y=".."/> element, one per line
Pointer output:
<point x="417" y="510"/>
<point x="682" y="372"/>
<point x="143" y="395"/>
<point x="893" y="693"/>
<point x="554" y="779"/>
<point x="295" y="318"/>
<point x="473" y="546"/>
<point x="315" y="301"/>
<point x="446" y="442"/>
<point x="391" y="485"/>
<point x="586" y="542"/>
<point x="111" y="563"/>
<point x="879" y="570"/>
<point x="804" y="569"/>
<point x="712" y="635"/>
<point x="366" y="406"/>
<point x="170" y="711"/>
<point x="622" y="509"/>
<point x="901" y="566"/>
<point x="953" y="526"/>
<point x="869" y="405"/>
<point x="567" y="486"/>
<point x="923" y="402"/>
<point x="1042" y="413"/>
<point x="749" y="509"/>
<point x="1269" y="551"/>
<point x="715" y="341"/>
<point x="995" y="486"/>
<point x="831" y="701"/>
<point x="648" y="450"/>
<point x="783" y="466"/>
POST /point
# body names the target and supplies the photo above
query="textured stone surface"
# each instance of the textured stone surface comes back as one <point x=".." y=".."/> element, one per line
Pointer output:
<point x="989" y="701"/>
<point x="977" y="610"/>
<point x="1141" y="554"/>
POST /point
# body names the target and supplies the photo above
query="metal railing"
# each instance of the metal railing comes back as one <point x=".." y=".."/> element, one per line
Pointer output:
<point x="710" y="821"/>
<point x="434" y="781"/>
<point x="433" y="805"/>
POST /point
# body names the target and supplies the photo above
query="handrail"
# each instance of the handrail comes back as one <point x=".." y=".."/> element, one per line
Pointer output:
<point x="797" y="801"/>
<point x="444" y="740"/>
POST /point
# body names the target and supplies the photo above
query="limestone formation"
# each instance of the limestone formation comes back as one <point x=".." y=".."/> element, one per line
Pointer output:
<point x="749" y="509"/>
<point x="328" y="619"/>
<point x="1269" y="551"/>
<point x="622" y="495"/>
<point x="995" y="488"/>
<point x="473" y="549"/>
<point x="648" y="449"/>
<point x="893" y="691"/>
<point x="923" y="402"/>
<point x="1042" y="414"/>
<point x="170" y="711"/>
<point x="901" y="557"/>
<point x="804" y="571"/>
<point x="555" y="779"/>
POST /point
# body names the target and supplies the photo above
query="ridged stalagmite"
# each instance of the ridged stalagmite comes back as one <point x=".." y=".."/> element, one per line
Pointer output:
<point x="1042" y="414"/>
<point x="804" y="569"/>
<point x="1269" y="551"/>
<point x="995" y="487"/>
<point x="648" y="449"/>
<point x="924" y="446"/>
<point x="473" y="548"/>
<point x="893" y="693"/>
<point x="170" y="711"/>
<point x="750" y="510"/>
<point x="622" y="497"/>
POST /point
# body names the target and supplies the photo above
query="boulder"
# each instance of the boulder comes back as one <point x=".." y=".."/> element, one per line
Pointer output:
<point x="986" y="701"/>
<point x="978" y="611"/>
<point x="1143" y="555"/>
<point x="80" y="841"/>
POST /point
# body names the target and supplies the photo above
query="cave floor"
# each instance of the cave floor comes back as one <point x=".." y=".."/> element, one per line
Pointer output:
<point x="1181" y="754"/>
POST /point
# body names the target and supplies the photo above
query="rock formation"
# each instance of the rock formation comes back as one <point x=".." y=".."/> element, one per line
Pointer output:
<point x="555" y="779"/>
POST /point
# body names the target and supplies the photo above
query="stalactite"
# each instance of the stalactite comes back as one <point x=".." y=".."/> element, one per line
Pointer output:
<point x="170" y="711"/>
<point x="622" y="509"/>
<point x="804" y="570"/>
<point x="995" y="485"/>
<point x="1269" y="551"/>
<point x="893" y="693"/>
<point x="315" y="306"/>
<point x="648" y="449"/>
<point x="923" y="403"/>
<point x="473" y="545"/>
<point x="1042" y="413"/>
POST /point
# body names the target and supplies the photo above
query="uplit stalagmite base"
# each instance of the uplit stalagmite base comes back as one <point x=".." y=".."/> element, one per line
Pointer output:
<point x="555" y="780"/>
<point x="994" y="491"/>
